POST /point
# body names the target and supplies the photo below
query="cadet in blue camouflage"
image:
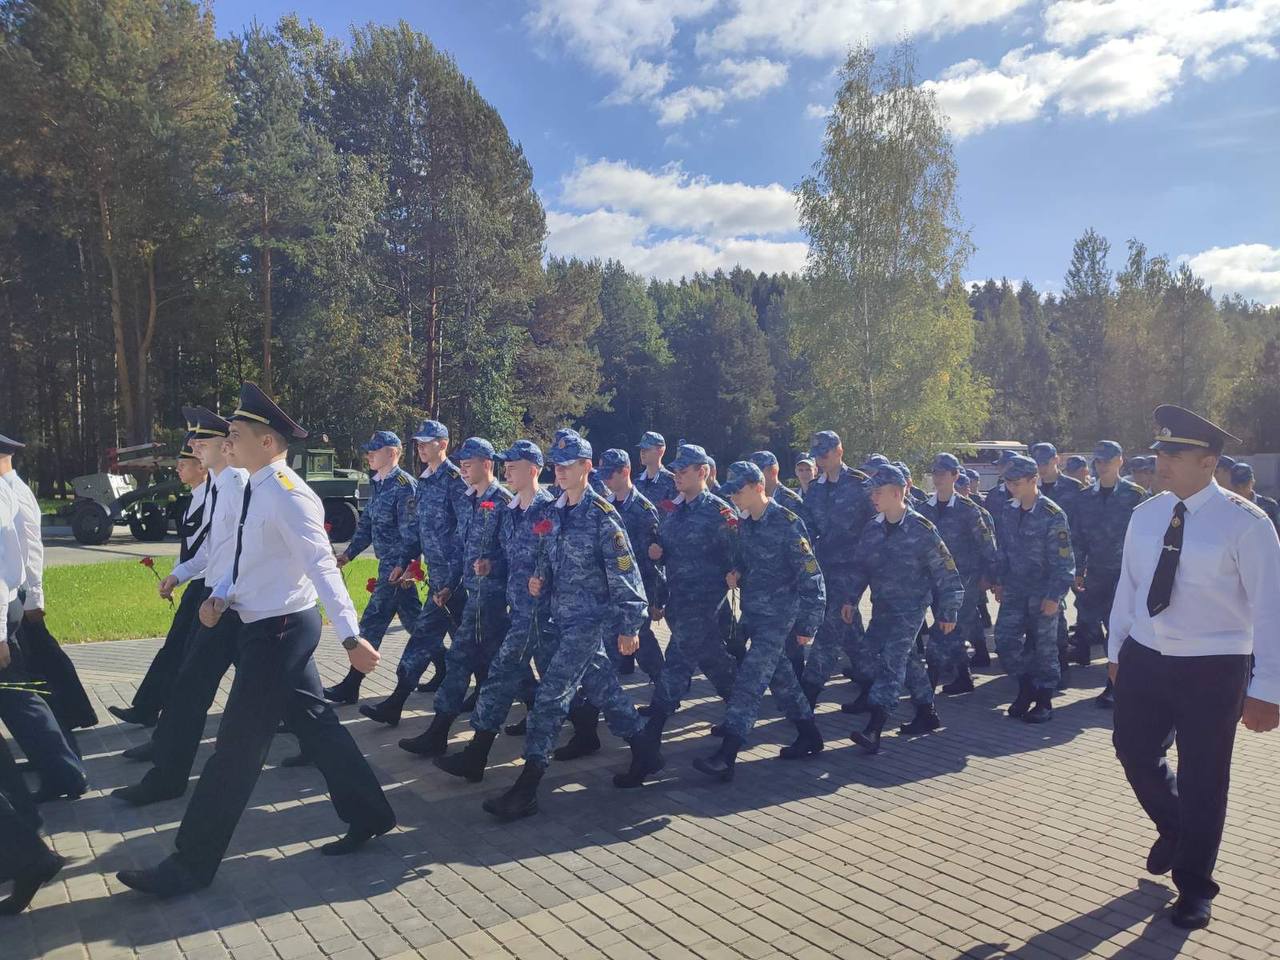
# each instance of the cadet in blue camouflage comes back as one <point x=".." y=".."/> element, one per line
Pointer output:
<point x="1035" y="567"/>
<point x="1065" y="492"/>
<point x="656" y="482"/>
<point x="902" y="559"/>
<point x="1242" y="481"/>
<point x="388" y="524"/>
<point x="972" y="544"/>
<point x="784" y="496"/>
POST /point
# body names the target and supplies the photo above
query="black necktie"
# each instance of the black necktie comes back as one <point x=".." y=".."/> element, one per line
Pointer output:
<point x="213" y="504"/>
<point x="1162" y="583"/>
<point x="244" y="512"/>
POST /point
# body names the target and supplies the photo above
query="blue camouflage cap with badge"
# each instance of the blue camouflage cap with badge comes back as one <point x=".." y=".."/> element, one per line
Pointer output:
<point x="522" y="450"/>
<point x="763" y="458"/>
<point x="568" y="447"/>
<point x="1020" y="467"/>
<point x="381" y="439"/>
<point x="823" y="442"/>
<point x="1242" y="473"/>
<point x="904" y="469"/>
<point x="887" y="475"/>
<point x="690" y="455"/>
<point x="652" y="438"/>
<point x="1005" y="457"/>
<point x="1225" y="462"/>
<point x="962" y="481"/>
<point x="611" y="461"/>
<point x="945" y="462"/>
<point x="740" y="474"/>
<point x="432" y="430"/>
<point x="1043" y="453"/>
<point x="1075" y="462"/>
<point x="803" y="457"/>
<point x="476" y="448"/>
<point x="875" y="460"/>
<point x="1107" y="450"/>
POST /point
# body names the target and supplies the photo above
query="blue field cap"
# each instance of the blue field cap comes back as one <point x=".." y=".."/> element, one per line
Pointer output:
<point x="690" y="455"/>
<point x="1144" y="463"/>
<point x="1107" y="450"/>
<point x="476" y="448"/>
<point x="803" y="457"/>
<point x="523" y="450"/>
<point x="888" y="475"/>
<point x="1225" y="462"/>
<point x="569" y="446"/>
<point x="383" y="438"/>
<point x="652" y="439"/>
<point x="1075" y="462"/>
<point x="1242" y="473"/>
<point x="1019" y="467"/>
<point x="1042" y="453"/>
<point x="740" y="474"/>
<point x="962" y="481"/>
<point x="875" y="460"/>
<point x="432" y="430"/>
<point x="903" y="468"/>
<point x="763" y="458"/>
<point x="613" y="460"/>
<point x="945" y="461"/>
<point x="1006" y="456"/>
<point x="823" y="442"/>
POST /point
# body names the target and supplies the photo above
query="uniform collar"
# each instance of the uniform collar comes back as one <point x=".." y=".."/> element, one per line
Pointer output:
<point x="624" y="500"/>
<point x="390" y="473"/>
<point x="933" y="500"/>
<point x="269" y="470"/>
<point x="489" y="491"/>
<point x="1198" y="500"/>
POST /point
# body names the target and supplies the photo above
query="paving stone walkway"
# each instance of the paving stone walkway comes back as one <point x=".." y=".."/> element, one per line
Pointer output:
<point x="987" y="839"/>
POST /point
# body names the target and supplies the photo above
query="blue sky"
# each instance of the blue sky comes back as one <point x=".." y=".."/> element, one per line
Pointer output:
<point x="668" y="133"/>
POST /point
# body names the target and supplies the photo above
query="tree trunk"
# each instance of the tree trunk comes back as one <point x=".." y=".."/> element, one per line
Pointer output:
<point x="264" y="267"/>
<point x="123" y="379"/>
<point x="142" y="401"/>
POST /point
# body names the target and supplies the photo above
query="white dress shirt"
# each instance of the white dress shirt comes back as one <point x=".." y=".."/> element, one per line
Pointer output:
<point x="286" y="560"/>
<point x="27" y="521"/>
<point x="1226" y="592"/>
<point x="214" y="558"/>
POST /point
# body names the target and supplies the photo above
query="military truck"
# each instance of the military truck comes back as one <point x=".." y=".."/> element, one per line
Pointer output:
<point x="344" y="492"/>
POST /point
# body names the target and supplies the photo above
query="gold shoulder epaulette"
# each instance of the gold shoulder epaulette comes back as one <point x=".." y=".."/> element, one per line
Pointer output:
<point x="282" y="478"/>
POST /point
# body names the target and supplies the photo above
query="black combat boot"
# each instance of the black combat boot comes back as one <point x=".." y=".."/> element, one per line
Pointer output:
<point x="869" y="738"/>
<point x="435" y="740"/>
<point x="1107" y="698"/>
<point x="585" y="739"/>
<point x="478" y="677"/>
<point x="646" y="754"/>
<point x="932" y="673"/>
<point x="522" y="799"/>
<point x="389" y="710"/>
<point x="720" y="764"/>
<point x="808" y="743"/>
<point x="1022" y="702"/>
<point x="981" y="656"/>
<point x="861" y="705"/>
<point x="628" y="666"/>
<point x="963" y="683"/>
<point x="348" y="691"/>
<point x="925" y="721"/>
<point x="521" y="726"/>
<point x="1042" y="712"/>
<point x="470" y="763"/>
<point x="717" y="730"/>
<point x="437" y="678"/>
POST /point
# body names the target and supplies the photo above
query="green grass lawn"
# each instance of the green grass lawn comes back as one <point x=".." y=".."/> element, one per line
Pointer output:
<point x="118" y="600"/>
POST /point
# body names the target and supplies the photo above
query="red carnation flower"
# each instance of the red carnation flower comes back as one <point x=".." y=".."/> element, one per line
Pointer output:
<point x="148" y="563"/>
<point x="542" y="527"/>
<point x="372" y="584"/>
<point x="668" y="505"/>
<point x="486" y="504"/>
<point x="414" y="571"/>
<point x="732" y="522"/>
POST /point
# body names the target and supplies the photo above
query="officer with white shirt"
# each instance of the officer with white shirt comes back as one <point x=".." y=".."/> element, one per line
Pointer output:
<point x="1194" y="650"/>
<point x="281" y="566"/>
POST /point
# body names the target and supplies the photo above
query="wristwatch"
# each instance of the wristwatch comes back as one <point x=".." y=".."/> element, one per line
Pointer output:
<point x="350" y="643"/>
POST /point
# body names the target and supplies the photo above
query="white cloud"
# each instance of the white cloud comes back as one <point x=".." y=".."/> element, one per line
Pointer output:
<point x="751" y="78"/>
<point x="743" y="80"/>
<point x="975" y="98"/>
<point x="674" y="200"/>
<point x="1190" y="28"/>
<point x="1249" y="269"/>
<point x="827" y="28"/>
<point x="817" y="111"/>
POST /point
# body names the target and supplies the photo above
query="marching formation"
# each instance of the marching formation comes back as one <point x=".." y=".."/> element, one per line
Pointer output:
<point x="547" y="596"/>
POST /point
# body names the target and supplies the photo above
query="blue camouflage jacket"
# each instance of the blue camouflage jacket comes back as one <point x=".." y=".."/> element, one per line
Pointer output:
<point x="662" y="487"/>
<point x="441" y="497"/>
<point x="907" y="566"/>
<point x="784" y="496"/>
<point x="480" y="530"/>
<point x="780" y="578"/>
<point x="966" y="533"/>
<point x="840" y="511"/>
<point x="1100" y="522"/>
<point x="697" y="548"/>
<point x="388" y="522"/>
<point x="640" y="519"/>
<point x="1034" y="555"/>
<point x="1065" y="493"/>
<point x="590" y="568"/>
<point x="524" y="547"/>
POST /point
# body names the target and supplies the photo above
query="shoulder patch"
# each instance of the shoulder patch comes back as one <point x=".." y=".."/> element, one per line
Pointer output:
<point x="1052" y="507"/>
<point x="624" y="562"/>
<point x="603" y="505"/>
<point x="858" y="474"/>
<point x="791" y="515"/>
<point x="402" y="479"/>
<point x="924" y="521"/>
<point x="282" y="478"/>
<point x="453" y="472"/>
<point x="1247" y="505"/>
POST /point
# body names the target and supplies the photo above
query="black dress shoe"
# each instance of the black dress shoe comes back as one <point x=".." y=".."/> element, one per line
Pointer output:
<point x="132" y="715"/>
<point x="342" y="693"/>
<point x="1191" y="913"/>
<point x="140" y="795"/>
<point x="166" y="879"/>
<point x="356" y="838"/>
<point x="1107" y="698"/>
<point x="143" y="751"/>
<point x="27" y="882"/>
<point x="517" y="729"/>
<point x="46" y="793"/>
<point x="1160" y="859"/>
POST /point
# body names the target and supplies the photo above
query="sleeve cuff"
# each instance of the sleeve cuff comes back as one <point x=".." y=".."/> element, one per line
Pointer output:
<point x="34" y="600"/>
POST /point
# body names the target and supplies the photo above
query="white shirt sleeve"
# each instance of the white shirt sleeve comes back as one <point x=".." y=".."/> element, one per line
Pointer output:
<point x="196" y="565"/>
<point x="1120" y="624"/>
<point x="28" y="523"/>
<point x="7" y="517"/>
<point x="1259" y="562"/>
<point x="301" y="525"/>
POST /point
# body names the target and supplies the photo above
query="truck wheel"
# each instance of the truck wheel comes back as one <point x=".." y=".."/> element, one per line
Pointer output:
<point x="150" y="525"/>
<point x="342" y="517"/>
<point x="91" y="523"/>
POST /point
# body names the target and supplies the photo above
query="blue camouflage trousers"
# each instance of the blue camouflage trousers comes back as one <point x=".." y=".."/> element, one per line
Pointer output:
<point x="1027" y="640"/>
<point x="763" y="667"/>
<point x="835" y="636"/>
<point x="579" y="660"/>
<point x="695" y="644"/>
<point x="388" y="599"/>
<point x="427" y="638"/>
<point x="649" y="656"/>
<point x="483" y="628"/>
<point x="531" y="636"/>
<point x="1093" y="605"/>
<point x="945" y="652"/>
<point x="897" y="664"/>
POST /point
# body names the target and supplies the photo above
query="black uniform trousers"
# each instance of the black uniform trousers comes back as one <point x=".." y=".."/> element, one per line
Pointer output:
<point x="46" y="659"/>
<point x="31" y="721"/>
<point x="275" y="677"/>
<point x="21" y="846"/>
<point x="153" y="692"/>
<point x="1195" y="701"/>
